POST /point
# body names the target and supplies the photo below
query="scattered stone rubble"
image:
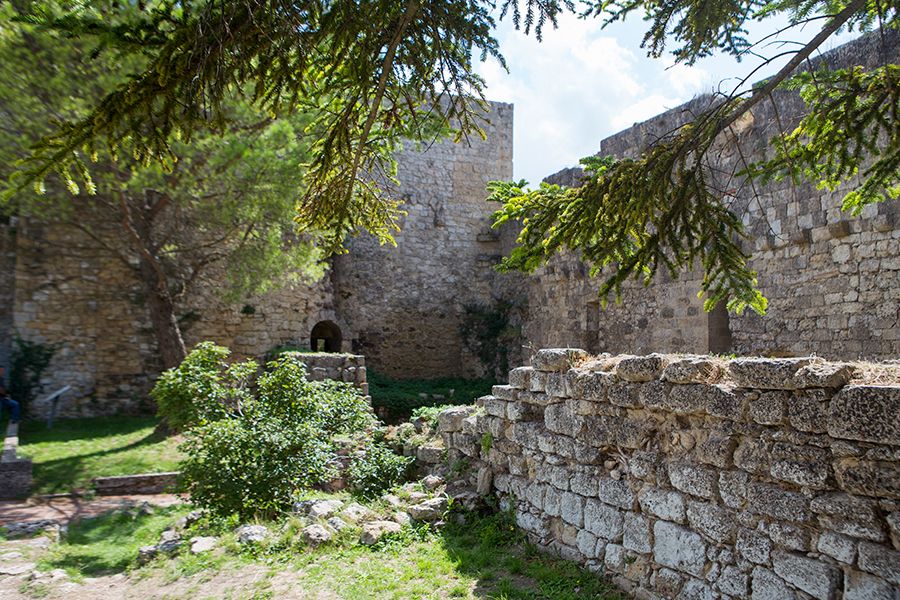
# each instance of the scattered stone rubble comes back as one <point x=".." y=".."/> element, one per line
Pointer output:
<point x="779" y="481"/>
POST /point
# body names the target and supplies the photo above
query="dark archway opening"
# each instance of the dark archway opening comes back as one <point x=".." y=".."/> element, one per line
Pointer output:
<point x="326" y="337"/>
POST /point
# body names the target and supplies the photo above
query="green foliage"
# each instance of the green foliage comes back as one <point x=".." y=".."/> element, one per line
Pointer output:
<point x="203" y="388"/>
<point x="852" y="121"/>
<point x="398" y="399"/>
<point x="486" y="441"/>
<point x="669" y="208"/>
<point x="27" y="363"/>
<point x="487" y="333"/>
<point x="379" y="470"/>
<point x="252" y="460"/>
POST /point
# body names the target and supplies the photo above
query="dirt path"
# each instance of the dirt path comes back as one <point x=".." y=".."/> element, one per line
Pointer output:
<point x="65" y="510"/>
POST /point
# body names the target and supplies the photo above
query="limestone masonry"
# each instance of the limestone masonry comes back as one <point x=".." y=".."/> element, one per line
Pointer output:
<point x="692" y="477"/>
<point x="831" y="279"/>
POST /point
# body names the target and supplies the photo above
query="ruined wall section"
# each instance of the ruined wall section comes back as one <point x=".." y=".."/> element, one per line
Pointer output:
<point x="405" y="303"/>
<point x="90" y="304"/>
<point x="7" y="288"/>
<point x="693" y="477"/>
<point x="830" y="278"/>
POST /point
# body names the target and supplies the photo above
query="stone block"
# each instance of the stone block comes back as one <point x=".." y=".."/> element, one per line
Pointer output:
<point x="880" y="561"/>
<point x="862" y="586"/>
<point x="869" y="478"/>
<point x="766" y="585"/>
<point x="693" y="479"/>
<point x="767" y="373"/>
<point x="526" y="434"/>
<point x="822" y="375"/>
<point x="450" y="419"/>
<point x="553" y="501"/>
<point x="559" y="418"/>
<point x="616" y="493"/>
<point x="537" y="381"/>
<point x="893" y="521"/>
<point x="644" y="465"/>
<point x="844" y="505"/>
<point x="679" y="548"/>
<point x="723" y="402"/>
<point x="733" y="582"/>
<point x="534" y="494"/>
<point x="555" y="385"/>
<point x="838" y="547"/>
<point x="557" y="360"/>
<point x="494" y="406"/>
<point x="687" y="399"/>
<point x="601" y="430"/>
<point x="641" y="368"/>
<point x="769" y="408"/>
<point x="696" y="590"/>
<point x="752" y="455"/>
<point x="504" y="392"/>
<point x="814" y="577"/>
<point x="753" y="546"/>
<point x="790" y="536"/>
<point x="603" y="520"/>
<point x="636" y="535"/>
<point x="631" y="433"/>
<point x="586" y="543"/>
<point x="717" y="451"/>
<point x="586" y="455"/>
<point x="867" y="531"/>
<point x="689" y="370"/>
<point x="733" y="488"/>
<point x="807" y="473"/>
<point x="664" y="504"/>
<point x="774" y="502"/>
<point x="518" y="411"/>
<point x="866" y="414"/>
<point x="626" y="395"/>
<point x="652" y="395"/>
<point x="520" y="378"/>
<point x="615" y="558"/>
<point x="584" y="484"/>
<point x="806" y="412"/>
<point x="714" y="522"/>
<point x="594" y="386"/>
<point x="667" y="583"/>
<point x="572" y="509"/>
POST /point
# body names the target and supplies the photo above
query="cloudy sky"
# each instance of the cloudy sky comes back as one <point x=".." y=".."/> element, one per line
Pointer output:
<point x="583" y="83"/>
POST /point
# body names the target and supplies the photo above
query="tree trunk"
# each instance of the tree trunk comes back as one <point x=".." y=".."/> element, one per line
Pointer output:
<point x="162" y="315"/>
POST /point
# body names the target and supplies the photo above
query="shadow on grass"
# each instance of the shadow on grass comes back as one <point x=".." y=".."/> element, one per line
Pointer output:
<point x="495" y="552"/>
<point x="108" y="544"/>
<point x="92" y="456"/>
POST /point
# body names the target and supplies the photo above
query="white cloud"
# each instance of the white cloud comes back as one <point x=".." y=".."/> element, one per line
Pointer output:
<point x="644" y="109"/>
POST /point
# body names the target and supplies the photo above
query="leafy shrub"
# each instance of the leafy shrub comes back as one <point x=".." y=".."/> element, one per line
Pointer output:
<point x="250" y="460"/>
<point x="203" y="388"/>
<point x="378" y="470"/>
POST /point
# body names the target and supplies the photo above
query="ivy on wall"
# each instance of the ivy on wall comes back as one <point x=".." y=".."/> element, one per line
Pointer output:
<point x="490" y="334"/>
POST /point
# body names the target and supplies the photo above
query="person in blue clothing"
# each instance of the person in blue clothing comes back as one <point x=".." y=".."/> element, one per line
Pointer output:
<point x="7" y="401"/>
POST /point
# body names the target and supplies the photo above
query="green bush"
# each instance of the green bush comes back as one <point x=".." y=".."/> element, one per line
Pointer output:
<point x="203" y="388"/>
<point x="250" y="461"/>
<point x="378" y="470"/>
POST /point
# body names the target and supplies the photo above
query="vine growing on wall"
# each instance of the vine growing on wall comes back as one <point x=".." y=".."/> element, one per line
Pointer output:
<point x="490" y="333"/>
<point x="27" y="363"/>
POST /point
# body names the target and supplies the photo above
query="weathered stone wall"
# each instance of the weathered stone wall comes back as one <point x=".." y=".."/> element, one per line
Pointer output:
<point x="7" y="288"/>
<point x="691" y="477"/>
<point x="90" y="304"/>
<point x="349" y="368"/>
<point x="405" y="303"/>
<point x="831" y="278"/>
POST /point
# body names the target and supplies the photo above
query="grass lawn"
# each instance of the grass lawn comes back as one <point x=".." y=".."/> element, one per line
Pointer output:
<point x="69" y="456"/>
<point x="486" y="557"/>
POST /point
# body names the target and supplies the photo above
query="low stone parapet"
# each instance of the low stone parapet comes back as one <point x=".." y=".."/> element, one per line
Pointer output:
<point x="697" y="477"/>
<point x="15" y="473"/>
<point x="126" y="485"/>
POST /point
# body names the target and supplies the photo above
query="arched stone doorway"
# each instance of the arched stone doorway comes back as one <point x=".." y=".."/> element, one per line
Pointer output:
<point x="326" y="337"/>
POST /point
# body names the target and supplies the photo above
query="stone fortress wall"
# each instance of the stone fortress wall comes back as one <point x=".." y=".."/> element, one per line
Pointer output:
<point x="831" y="278"/>
<point x="698" y="478"/>
<point x="405" y="303"/>
<point x="400" y="306"/>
